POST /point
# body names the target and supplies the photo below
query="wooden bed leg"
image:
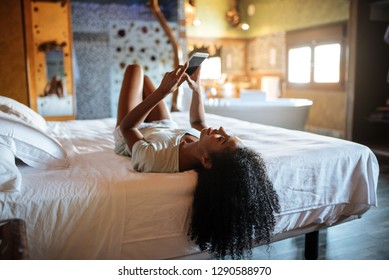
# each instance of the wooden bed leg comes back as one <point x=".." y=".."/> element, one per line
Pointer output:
<point x="311" y="245"/>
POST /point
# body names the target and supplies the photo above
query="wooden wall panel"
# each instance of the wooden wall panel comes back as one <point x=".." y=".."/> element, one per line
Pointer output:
<point x="13" y="77"/>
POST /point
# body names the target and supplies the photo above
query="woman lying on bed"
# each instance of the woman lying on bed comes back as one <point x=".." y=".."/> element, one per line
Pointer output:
<point x="234" y="200"/>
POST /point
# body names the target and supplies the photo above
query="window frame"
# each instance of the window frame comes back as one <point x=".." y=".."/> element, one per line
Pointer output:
<point x="335" y="33"/>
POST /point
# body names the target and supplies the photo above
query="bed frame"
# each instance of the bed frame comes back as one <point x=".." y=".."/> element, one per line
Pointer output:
<point x="311" y="240"/>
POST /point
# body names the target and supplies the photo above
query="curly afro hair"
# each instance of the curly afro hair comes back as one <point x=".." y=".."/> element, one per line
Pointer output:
<point x="233" y="206"/>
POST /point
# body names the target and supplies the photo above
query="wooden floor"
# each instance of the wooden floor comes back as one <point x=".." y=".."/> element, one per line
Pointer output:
<point x="362" y="239"/>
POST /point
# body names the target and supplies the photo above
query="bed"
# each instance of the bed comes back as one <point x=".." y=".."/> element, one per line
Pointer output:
<point x="89" y="203"/>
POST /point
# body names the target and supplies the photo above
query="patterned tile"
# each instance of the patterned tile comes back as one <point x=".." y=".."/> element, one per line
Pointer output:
<point x="107" y="37"/>
<point x="141" y="42"/>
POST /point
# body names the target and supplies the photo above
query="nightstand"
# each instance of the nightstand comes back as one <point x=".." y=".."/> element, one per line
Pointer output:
<point x="13" y="240"/>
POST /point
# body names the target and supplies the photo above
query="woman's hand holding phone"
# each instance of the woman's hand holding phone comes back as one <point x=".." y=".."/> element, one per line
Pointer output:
<point x="195" y="61"/>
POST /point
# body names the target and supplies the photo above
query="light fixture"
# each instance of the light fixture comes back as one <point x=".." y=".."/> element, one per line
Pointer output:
<point x="233" y="16"/>
<point x="244" y="26"/>
<point x="190" y="13"/>
<point x="196" y="22"/>
<point x="250" y="10"/>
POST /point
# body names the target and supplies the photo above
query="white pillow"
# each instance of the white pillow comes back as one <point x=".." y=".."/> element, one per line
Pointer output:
<point x="10" y="177"/>
<point x="31" y="145"/>
<point x="21" y="111"/>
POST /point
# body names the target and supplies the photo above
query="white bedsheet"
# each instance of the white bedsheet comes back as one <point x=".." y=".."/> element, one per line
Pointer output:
<point x="100" y="208"/>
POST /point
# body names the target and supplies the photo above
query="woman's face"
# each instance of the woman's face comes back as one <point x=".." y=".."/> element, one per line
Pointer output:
<point x="216" y="140"/>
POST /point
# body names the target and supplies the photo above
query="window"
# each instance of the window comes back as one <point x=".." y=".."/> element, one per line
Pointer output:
<point x="211" y="68"/>
<point x="299" y="65"/>
<point x="315" y="57"/>
<point x="327" y="63"/>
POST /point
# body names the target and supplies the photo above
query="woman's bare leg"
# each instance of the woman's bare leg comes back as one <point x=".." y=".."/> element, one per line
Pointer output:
<point x="131" y="93"/>
<point x="136" y="87"/>
<point x="160" y="111"/>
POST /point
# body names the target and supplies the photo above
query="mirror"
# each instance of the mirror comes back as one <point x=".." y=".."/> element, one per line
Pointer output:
<point x="54" y="101"/>
<point x="55" y="73"/>
<point x="54" y="64"/>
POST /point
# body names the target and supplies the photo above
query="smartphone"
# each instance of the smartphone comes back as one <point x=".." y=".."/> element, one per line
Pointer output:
<point x="194" y="62"/>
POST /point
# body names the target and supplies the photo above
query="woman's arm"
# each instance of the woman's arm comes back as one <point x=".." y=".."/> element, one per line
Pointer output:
<point x="130" y="123"/>
<point x="196" y="112"/>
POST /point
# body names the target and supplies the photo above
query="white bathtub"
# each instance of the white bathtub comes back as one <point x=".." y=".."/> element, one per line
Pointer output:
<point x="288" y="113"/>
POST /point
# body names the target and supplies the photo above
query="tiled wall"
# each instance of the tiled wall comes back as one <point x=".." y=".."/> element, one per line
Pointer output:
<point x="141" y="42"/>
<point x="107" y="38"/>
<point x="267" y="53"/>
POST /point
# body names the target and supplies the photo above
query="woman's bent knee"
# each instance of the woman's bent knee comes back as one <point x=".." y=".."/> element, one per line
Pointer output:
<point x="133" y="71"/>
<point x="134" y="68"/>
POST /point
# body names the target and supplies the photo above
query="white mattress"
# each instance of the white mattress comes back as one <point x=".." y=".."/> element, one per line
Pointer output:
<point x="100" y="208"/>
